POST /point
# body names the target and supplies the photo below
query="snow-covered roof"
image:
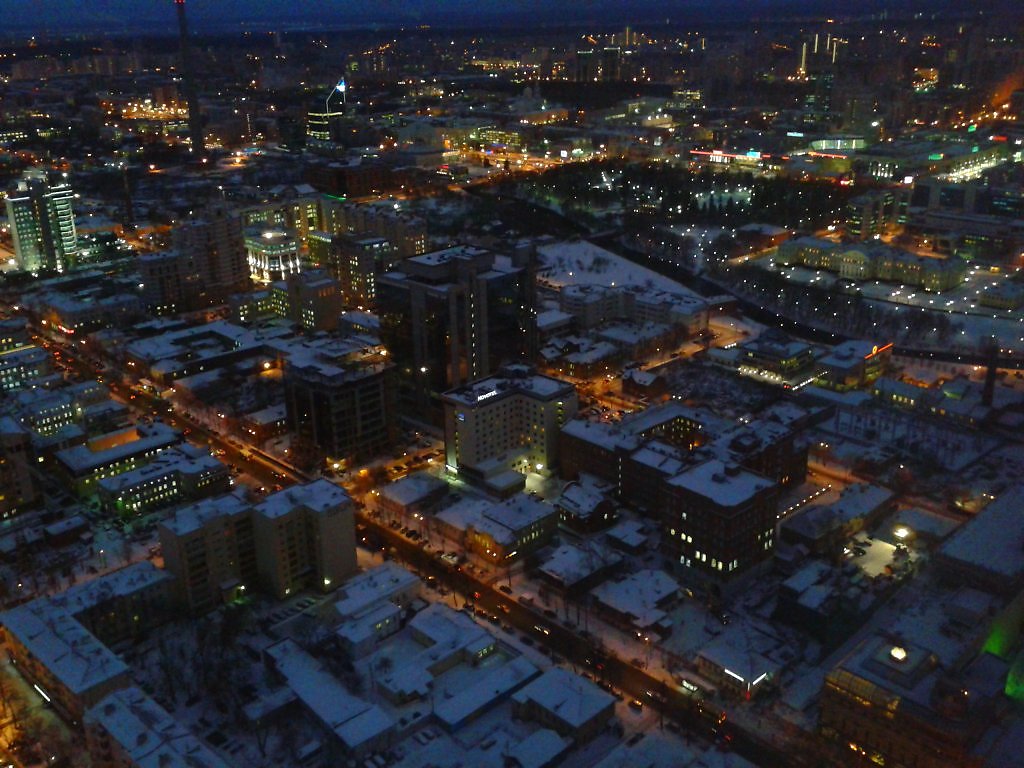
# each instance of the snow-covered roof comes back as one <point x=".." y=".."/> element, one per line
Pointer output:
<point x="638" y="595"/>
<point x="572" y="699"/>
<point x="727" y="485"/>
<point x="148" y="735"/>
<point x="353" y="720"/>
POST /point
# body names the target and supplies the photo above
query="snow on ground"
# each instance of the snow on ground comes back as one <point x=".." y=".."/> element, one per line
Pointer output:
<point x="578" y="262"/>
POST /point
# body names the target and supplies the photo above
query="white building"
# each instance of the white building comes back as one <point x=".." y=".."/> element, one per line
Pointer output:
<point x="506" y="423"/>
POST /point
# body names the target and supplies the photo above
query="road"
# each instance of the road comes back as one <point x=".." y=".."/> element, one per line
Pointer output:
<point x="696" y="717"/>
<point x="700" y="719"/>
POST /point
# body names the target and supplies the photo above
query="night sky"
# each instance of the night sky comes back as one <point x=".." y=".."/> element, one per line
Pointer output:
<point x="120" y="15"/>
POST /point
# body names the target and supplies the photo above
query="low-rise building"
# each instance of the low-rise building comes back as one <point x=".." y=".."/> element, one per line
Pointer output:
<point x="499" y="532"/>
<point x="639" y="602"/>
<point x="59" y="644"/>
<point x="370" y="606"/>
<point x="179" y="474"/>
<point x="82" y="467"/>
<point x="352" y="725"/>
<point x="853" y="365"/>
<point x="127" y="729"/>
<point x="570" y="705"/>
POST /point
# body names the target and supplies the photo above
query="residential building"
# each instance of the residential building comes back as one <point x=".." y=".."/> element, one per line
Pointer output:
<point x="18" y="489"/>
<point x="209" y="548"/>
<point x="304" y="538"/>
<point x="567" y="703"/>
<point x="212" y="248"/>
<point x="127" y="729"/>
<point x="340" y="398"/>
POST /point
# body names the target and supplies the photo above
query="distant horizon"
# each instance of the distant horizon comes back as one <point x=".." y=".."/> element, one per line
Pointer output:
<point x="155" y="17"/>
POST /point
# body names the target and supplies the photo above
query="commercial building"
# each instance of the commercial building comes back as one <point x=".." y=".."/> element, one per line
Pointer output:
<point x="870" y="214"/>
<point x="453" y="316"/>
<point x="853" y="365"/>
<point x="182" y="473"/>
<point x="82" y="467"/>
<point x="42" y="222"/>
<point x="340" y="398"/>
<point x="509" y="422"/>
<point x="499" y="532"/>
<point x="273" y="254"/>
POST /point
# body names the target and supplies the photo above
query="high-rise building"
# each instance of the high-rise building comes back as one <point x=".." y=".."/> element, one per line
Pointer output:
<point x="273" y="254"/>
<point x="340" y="398"/>
<point x="222" y="548"/>
<point x="43" y="222"/>
<point x="357" y="261"/>
<point x="195" y="120"/>
<point x="405" y="231"/>
<point x="450" y="317"/>
<point x="213" y="250"/>
<point x="510" y="421"/>
<point x="321" y="114"/>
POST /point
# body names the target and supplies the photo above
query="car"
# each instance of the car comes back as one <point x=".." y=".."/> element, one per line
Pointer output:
<point x="506" y="589"/>
<point x="636" y="704"/>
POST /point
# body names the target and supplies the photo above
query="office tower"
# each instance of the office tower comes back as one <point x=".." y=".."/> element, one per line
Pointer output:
<point x="322" y="113"/>
<point x="453" y="316"/>
<point x="42" y="222"/>
<point x="586" y="67"/>
<point x="611" y="64"/>
<point x="195" y="120"/>
<point x="273" y="254"/>
<point x="213" y="250"/>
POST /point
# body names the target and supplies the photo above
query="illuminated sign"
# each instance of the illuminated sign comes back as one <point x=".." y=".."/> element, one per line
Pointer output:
<point x="485" y="395"/>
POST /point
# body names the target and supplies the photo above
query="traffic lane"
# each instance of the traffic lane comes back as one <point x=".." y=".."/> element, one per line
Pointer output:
<point x="702" y="719"/>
